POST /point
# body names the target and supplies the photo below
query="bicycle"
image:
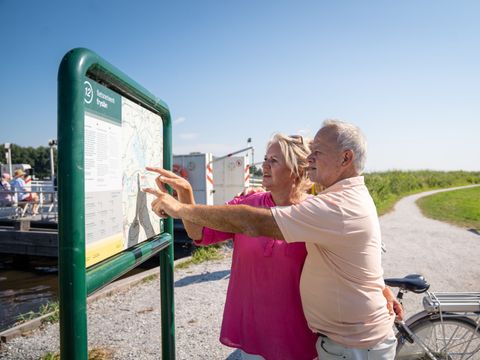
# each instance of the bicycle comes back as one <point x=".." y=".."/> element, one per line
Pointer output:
<point x="448" y="328"/>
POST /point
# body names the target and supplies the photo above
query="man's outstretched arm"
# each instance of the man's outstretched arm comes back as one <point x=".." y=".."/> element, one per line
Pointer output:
<point x="241" y="219"/>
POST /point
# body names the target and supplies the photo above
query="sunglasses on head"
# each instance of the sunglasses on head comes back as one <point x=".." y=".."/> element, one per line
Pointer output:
<point x="298" y="138"/>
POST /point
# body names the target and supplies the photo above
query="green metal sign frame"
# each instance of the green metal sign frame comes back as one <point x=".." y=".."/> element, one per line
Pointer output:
<point x="75" y="281"/>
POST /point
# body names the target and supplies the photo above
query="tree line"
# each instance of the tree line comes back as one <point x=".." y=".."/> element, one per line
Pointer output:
<point x="37" y="157"/>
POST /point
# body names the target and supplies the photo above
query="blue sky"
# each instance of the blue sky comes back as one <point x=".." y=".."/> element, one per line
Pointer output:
<point x="406" y="72"/>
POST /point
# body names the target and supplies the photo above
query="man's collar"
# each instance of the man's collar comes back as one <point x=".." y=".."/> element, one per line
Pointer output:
<point x="345" y="183"/>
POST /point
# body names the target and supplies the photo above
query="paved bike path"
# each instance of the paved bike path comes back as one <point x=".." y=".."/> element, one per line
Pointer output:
<point x="448" y="256"/>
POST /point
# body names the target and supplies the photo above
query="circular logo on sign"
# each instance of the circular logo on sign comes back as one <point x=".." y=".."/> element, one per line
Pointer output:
<point x="239" y="163"/>
<point x="88" y="96"/>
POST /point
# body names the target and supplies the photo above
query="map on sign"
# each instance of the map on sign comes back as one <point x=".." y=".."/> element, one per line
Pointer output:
<point x="121" y="139"/>
<point x="141" y="147"/>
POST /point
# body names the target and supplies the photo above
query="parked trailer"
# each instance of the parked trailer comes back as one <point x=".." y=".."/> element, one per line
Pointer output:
<point x="214" y="181"/>
<point x="232" y="176"/>
<point x="197" y="169"/>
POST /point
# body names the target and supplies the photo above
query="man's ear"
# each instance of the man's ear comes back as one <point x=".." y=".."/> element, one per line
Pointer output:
<point x="347" y="157"/>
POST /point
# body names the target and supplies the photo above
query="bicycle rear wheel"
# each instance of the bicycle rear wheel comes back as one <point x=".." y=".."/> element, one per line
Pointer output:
<point x="453" y="338"/>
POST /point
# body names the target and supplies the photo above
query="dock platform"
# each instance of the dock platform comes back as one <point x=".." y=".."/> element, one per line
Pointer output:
<point x="29" y="237"/>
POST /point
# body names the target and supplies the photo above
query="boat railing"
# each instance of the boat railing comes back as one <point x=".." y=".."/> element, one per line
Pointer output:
<point x="13" y="207"/>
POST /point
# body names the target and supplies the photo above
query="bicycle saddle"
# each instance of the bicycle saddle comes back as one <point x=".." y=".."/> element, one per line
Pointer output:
<point x="414" y="282"/>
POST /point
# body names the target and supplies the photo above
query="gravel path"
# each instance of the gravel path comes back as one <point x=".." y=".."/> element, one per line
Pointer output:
<point x="128" y="322"/>
<point x="448" y="256"/>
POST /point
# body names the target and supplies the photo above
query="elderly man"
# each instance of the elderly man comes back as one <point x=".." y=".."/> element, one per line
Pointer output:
<point x="342" y="280"/>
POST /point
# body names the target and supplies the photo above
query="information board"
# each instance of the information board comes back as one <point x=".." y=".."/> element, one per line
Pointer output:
<point x="109" y="129"/>
<point x="121" y="138"/>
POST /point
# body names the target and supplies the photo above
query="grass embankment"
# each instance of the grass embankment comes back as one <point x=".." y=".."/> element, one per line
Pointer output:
<point x="388" y="187"/>
<point x="459" y="207"/>
<point x="50" y="308"/>
<point x="201" y="254"/>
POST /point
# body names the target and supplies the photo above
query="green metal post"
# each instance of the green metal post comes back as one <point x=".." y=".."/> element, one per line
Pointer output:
<point x="166" y="263"/>
<point x="71" y="259"/>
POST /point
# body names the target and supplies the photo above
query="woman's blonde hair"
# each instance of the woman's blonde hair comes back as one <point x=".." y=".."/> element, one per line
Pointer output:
<point x="295" y="149"/>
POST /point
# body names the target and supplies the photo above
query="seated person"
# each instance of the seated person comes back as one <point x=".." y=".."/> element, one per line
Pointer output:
<point x="19" y="186"/>
<point x="6" y="198"/>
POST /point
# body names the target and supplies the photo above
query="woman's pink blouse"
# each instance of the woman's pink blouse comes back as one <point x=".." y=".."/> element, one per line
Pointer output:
<point x="263" y="312"/>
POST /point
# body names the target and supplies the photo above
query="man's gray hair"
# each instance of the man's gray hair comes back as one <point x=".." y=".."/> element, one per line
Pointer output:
<point x="350" y="137"/>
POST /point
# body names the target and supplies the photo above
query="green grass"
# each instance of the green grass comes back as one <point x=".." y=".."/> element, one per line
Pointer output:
<point x="202" y="254"/>
<point x="459" y="207"/>
<point x="149" y="278"/>
<point x="388" y="187"/>
<point x="50" y="356"/>
<point x="44" y="309"/>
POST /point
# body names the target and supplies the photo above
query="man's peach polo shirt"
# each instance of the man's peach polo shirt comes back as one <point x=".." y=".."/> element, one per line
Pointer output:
<point x="342" y="279"/>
